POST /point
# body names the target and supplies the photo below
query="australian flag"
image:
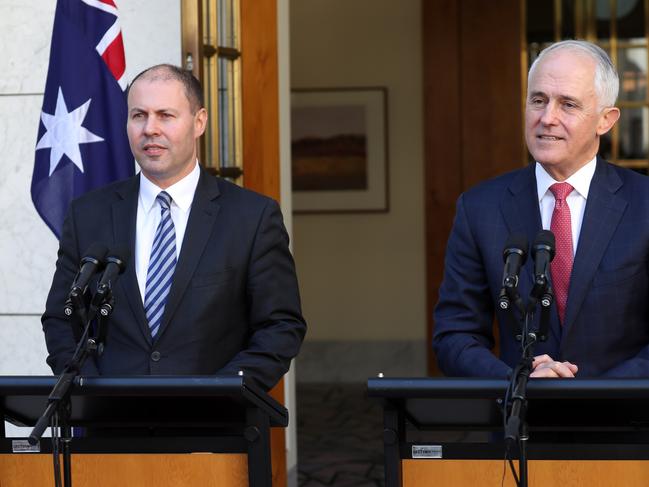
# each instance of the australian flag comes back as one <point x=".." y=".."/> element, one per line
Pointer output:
<point x="82" y="142"/>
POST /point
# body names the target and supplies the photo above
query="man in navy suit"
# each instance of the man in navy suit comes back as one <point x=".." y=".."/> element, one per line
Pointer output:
<point x="599" y="321"/>
<point x="230" y="301"/>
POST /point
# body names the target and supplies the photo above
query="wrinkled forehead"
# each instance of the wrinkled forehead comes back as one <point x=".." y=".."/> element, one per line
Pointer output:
<point x="565" y="70"/>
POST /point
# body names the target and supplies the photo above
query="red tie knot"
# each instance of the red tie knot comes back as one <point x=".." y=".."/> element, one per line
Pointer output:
<point x="561" y="190"/>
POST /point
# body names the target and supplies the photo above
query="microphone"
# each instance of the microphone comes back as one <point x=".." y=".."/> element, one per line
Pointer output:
<point x="91" y="263"/>
<point x="514" y="255"/>
<point x="115" y="265"/>
<point x="542" y="252"/>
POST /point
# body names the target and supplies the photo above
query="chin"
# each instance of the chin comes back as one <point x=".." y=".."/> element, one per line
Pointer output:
<point x="549" y="158"/>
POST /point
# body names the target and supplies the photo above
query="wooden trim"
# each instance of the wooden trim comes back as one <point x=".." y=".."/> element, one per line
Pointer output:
<point x="260" y="96"/>
<point x="260" y="139"/>
<point x="442" y="145"/>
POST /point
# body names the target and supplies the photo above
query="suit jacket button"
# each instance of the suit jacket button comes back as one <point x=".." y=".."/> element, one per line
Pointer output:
<point x="155" y="356"/>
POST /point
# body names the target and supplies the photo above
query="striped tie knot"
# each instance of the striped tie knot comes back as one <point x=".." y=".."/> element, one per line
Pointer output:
<point x="164" y="200"/>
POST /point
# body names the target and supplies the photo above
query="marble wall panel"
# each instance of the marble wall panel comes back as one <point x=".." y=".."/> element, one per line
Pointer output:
<point x="151" y="32"/>
<point x="22" y="352"/>
<point x="25" y="44"/>
<point x="27" y="247"/>
<point x="22" y="346"/>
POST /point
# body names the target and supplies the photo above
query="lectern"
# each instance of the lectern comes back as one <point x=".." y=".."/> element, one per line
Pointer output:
<point x="149" y="416"/>
<point x="448" y="432"/>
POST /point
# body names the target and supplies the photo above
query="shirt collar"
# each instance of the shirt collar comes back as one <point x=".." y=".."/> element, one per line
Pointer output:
<point x="182" y="192"/>
<point x="579" y="180"/>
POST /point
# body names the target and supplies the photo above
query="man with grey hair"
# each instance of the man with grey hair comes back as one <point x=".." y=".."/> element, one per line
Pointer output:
<point x="599" y="214"/>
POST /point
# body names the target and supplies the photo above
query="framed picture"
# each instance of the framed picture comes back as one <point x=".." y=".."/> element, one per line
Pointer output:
<point x="339" y="150"/>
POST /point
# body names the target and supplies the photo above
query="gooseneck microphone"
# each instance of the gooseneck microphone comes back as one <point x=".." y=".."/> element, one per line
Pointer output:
<point x="543" y="250"/>
<point x="514" y="255"/>
<point x="116" y="262"/>
<point x="91" y="263"/>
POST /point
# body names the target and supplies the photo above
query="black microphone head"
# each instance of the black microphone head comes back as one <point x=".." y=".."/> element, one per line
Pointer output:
<point x="516" y="243"/>
<point x="544" y="241"/>
<point x="120" y="254"/>
<point x="95" y="253"/>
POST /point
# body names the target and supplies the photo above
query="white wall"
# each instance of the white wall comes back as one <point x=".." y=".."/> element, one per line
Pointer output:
<point x="28" y="248"/>
<point x="362" y="276"/>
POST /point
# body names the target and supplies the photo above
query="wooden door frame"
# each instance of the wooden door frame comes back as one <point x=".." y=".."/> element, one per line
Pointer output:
<point x="472" y="113"/>
<point x="260" y="127"/>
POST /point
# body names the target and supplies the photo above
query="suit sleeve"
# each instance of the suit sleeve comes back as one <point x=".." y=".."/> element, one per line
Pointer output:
<point x="273" y="301"/>
<point x="635" y="367"/>
<point x="463" y="333"/>
<point x="58" y="329"/>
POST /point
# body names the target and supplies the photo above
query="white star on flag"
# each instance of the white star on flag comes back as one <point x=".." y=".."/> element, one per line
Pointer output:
<point x="64" y="133"/>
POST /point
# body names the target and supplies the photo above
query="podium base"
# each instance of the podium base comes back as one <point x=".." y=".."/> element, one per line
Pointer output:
<point x="119" y="470"/>
<point x="542" y="473"/>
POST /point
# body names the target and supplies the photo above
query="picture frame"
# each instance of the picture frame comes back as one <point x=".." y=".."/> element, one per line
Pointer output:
<point x="339" y="144"/>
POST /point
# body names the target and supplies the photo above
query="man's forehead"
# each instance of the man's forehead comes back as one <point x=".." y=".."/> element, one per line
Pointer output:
<point x="564" y="71"/>
<point x="146" y="89"/>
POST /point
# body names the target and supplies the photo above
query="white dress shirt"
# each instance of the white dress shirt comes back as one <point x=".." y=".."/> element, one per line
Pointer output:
<point x="148" y="217"/>
<point x="576" y="199"/>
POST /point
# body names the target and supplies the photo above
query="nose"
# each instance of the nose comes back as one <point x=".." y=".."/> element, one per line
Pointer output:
<point x="550" y="114"/>
<point x="151" y="126"/>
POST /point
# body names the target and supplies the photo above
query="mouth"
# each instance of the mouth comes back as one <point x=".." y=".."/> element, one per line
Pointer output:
<point x="549" y="138"/>
<point x="153" y="149"/>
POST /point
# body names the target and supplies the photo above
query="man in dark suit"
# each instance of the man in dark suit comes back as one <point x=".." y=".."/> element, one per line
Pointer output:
<point x="210" y="287"/>
<point x="599" y="213"/>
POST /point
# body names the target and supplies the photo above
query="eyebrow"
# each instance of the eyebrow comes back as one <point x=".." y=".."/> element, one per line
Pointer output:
<point x="561" y="97"/>
<point x="159" y="110"/>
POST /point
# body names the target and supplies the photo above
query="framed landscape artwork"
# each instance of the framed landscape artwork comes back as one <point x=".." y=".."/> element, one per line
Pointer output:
<point x="339" y="150"/>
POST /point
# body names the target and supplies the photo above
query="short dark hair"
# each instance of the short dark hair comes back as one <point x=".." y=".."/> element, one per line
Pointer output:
<point x="165" y="72"/>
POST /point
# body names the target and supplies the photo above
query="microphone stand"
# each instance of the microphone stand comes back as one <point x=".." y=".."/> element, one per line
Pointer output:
<point x="516" y="431"/>
<point x="57" y="412"/>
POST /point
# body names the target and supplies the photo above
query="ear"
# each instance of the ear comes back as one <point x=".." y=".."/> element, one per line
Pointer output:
<point x="200" y="122"/>
<point x="607" y="119"/>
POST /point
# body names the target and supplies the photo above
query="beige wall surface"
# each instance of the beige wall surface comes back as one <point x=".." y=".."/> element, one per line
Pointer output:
<point x="362" y="275"/>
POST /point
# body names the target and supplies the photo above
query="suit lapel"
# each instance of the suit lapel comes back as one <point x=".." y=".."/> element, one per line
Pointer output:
<point x="124" y="223"/>
<point x="520" y="208"/>
<point x="199" y="228"/>
<point x="604" y="209"/>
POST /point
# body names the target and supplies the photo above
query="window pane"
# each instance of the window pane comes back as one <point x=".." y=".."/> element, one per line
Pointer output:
<point x="630" y="19"/>
<point x="211" y="157"/>
<point x="227" y="113"/>
<point x="632" y="68"/>
<point x="540" y="21"/>
<point x="227" y="20"/>
<point x="633" y="133"/>
<point x="224" y="110"/>
<point x="603" y="19"/>
<point x="568" y="19"/>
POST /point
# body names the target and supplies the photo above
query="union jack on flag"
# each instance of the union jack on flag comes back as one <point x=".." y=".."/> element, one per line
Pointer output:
<point x="82" y="142"/>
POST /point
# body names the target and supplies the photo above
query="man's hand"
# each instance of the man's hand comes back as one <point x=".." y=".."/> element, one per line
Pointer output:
<point x="546" y="366"/>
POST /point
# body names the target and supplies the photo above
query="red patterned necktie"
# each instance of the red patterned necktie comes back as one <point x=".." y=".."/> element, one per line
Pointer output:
<point x="561" y="226"/>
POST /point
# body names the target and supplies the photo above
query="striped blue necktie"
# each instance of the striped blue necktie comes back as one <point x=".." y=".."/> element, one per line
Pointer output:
<point x="161" y="265"/>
